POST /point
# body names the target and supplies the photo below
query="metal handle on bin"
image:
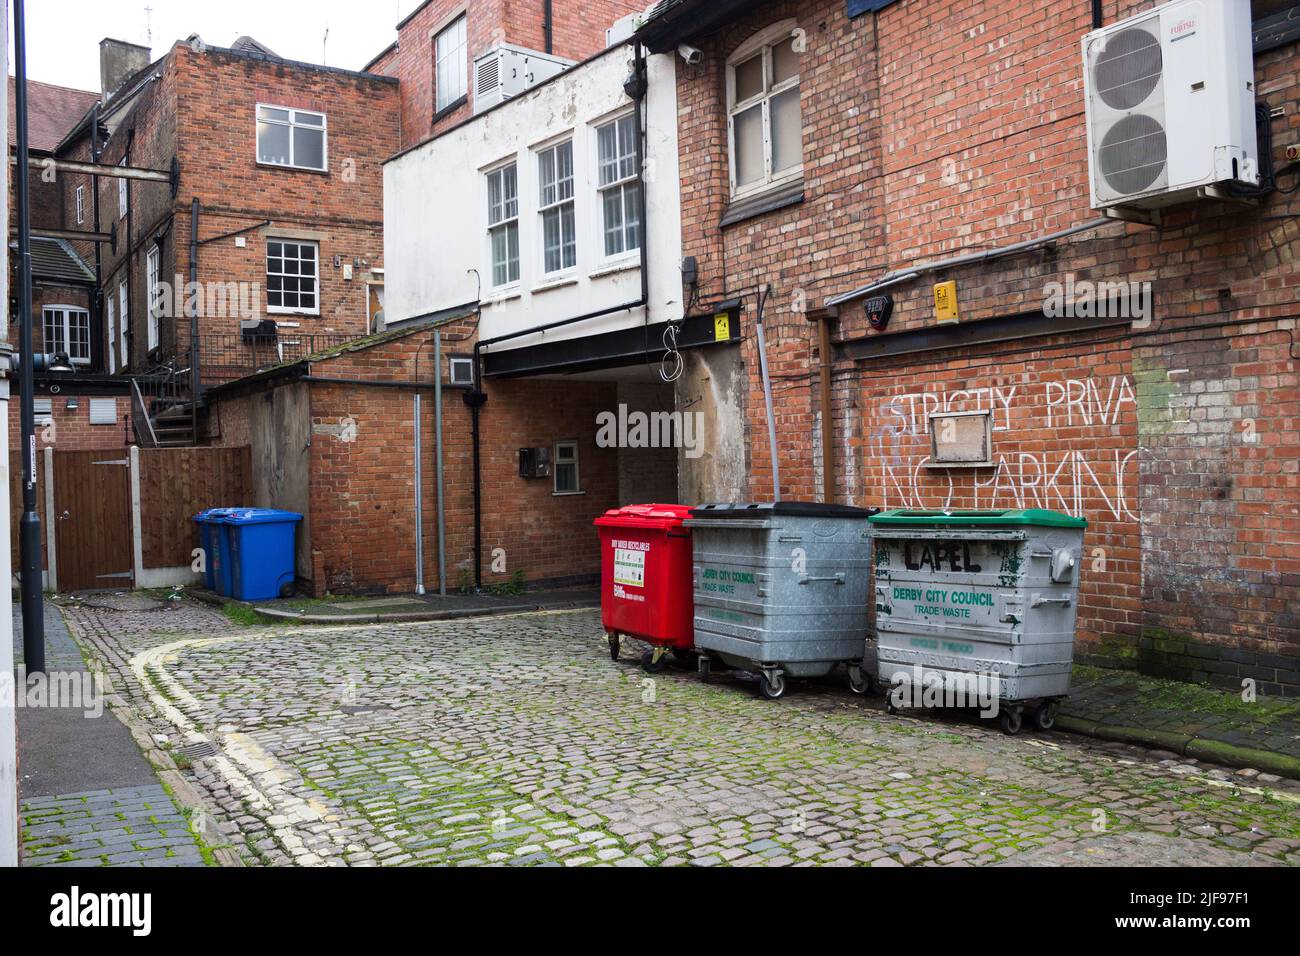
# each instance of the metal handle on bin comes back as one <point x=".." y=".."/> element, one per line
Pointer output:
<point x="836" y="578"/>
<point x="1040" y="601"/>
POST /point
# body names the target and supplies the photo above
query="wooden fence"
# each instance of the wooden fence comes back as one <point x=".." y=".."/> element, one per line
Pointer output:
<point x="176" y="484"/>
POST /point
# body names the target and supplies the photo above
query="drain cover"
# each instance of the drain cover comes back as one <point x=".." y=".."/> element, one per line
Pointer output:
<point x="197" y="751"/>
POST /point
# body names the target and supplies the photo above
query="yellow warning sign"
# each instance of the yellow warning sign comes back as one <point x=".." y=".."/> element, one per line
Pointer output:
<point x="945" y="302"/>
<point x="721" y="327"/>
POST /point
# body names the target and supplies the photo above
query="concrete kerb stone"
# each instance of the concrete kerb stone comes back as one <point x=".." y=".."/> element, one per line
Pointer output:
<point x="1186" y="745"/>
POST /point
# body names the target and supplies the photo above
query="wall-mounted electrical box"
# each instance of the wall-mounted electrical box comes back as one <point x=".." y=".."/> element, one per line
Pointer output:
<point x="961" y="440"/>
<point x="534" y="463"/>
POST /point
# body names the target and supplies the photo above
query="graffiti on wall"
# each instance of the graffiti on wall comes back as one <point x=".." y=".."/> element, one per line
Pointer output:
<point x="1036" y="469"/>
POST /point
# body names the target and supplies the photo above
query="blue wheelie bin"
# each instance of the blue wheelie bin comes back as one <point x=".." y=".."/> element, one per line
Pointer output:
<point x="214" y="539"/>
<point x="261" y="552"/>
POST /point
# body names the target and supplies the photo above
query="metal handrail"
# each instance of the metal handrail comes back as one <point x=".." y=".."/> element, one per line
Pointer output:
<point x="139" y="411"/>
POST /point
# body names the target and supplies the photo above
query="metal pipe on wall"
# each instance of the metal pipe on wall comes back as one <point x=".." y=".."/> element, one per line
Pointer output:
<point x="419" y="501"/>
<point x="437" y="442"/>
<point x="767" y="396"/>
<point x="828" y="425"/>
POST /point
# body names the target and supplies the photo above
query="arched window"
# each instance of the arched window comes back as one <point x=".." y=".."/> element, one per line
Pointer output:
<point x="764" y="121"/>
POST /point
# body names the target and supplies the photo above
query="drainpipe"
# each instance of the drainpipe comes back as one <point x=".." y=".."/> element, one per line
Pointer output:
<point x="437" y="441"/>
<point x="1098" y="17"/>
<point x="98" y="298"/>
<point x="828" y="442"/>
<point x="767" y="395"/>
<point x="548" y="25"/>
<point x="419" y="501"/>
<point x="194" y="319"/>
<point x="638" y="86"/>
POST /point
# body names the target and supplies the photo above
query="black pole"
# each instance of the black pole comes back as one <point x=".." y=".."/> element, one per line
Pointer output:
<point x="33" y="601"/>
<point x="194" y="319"/>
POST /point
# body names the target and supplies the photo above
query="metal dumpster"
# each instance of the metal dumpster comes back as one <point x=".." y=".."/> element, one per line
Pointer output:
<point x="978" y="602"/>
<point x="781" y="589"/>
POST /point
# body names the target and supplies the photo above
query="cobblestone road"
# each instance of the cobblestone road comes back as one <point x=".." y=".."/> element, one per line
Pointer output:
<point x="517" y="741"/>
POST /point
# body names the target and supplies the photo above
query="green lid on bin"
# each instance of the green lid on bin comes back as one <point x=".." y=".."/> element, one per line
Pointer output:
<point x="1037" y="517"/>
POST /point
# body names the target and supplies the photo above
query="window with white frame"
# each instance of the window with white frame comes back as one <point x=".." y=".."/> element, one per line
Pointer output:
<point x="765" y="122"/>
<point x="152" y="267"/>
<point x="111" y="309"/>
<point x="292" y="276"/>
<point x="503" y="224"/>
<point x="451" y="68"/>
<point x="289" y="137"/>
<point x="619" y="185"/>
<point x="67" y="329"/>
<point x="81" y="204"/>
<point x="123" y="193"/>
<point x="555" y="203"/>
<point x="123" y="321"/>
<point x="566" y="468"/>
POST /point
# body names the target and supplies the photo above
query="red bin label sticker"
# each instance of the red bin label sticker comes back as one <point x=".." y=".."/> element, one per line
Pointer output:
<point x="629" y="564"/>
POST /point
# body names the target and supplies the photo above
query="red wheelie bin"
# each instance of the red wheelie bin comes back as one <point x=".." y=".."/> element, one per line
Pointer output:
<point x="646" y="588"/>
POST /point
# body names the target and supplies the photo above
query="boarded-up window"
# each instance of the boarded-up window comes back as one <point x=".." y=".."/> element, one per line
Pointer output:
<point x="103" y="411"/>
<point x="961" y="440"/>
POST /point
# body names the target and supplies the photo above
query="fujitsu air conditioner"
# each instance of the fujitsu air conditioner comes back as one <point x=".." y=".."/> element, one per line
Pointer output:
<point x="507" y="71"/>
<point x="1170" y="99"/>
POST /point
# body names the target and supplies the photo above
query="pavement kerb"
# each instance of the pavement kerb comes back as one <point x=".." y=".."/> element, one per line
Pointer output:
<point x="1186" y="745"/>
<point x="395" y="617"/>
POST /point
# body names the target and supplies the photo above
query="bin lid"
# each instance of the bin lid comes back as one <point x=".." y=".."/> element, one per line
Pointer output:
<point x="257" y="516"/>
<point x="663" y="517"/>
<point x="792" y="509"/>
<point x="1038" y="517"/>
<point x="213" y="514"/>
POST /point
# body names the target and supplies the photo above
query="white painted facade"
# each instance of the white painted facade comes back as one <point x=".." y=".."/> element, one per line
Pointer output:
<point x="437" y="249"/>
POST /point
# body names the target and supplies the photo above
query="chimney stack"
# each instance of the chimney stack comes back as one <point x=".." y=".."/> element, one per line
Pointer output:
<point x="118" y="62"/>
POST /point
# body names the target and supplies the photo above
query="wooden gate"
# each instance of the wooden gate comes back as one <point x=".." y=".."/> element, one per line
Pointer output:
<point x="92" y="519"/>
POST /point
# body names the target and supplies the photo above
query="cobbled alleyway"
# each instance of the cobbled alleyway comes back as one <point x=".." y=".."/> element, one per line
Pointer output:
<point x="515" y="740"/>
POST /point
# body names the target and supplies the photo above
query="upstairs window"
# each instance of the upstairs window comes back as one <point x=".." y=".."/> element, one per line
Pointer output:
<point x="81" y="205"/>
<point x="451" y="68"/>
<point x="292" y="276"/>
<point x="619" y="185"/>
<point x="123" y="194"/>
<point x="67" y="329"/>
<point x="559" y="228"/>
<point x="765" y="123"/>
<point x="503" y="224"/>
<point x="289" y="137"/>
<point x="153" y="279"/>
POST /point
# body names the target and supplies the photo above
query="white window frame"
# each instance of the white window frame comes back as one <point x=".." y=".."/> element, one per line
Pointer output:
<point x="65" y="315"/>
<point x="281" y="309"/>
<point x="152" y="269"/>
<point x="460" y="53"/>
<point x="557" y="460"/>
<point x="123" y="194"/>
<point x="619" y="183"/>
<point x="110" y="312"/>
<point x="557" y="204"/>
<point x="124" y="319"/>
<point x="81" y="204"/>
<point x="761" y="43"/>
<point x="504" y="223"/>
<point x="292" y="124"/>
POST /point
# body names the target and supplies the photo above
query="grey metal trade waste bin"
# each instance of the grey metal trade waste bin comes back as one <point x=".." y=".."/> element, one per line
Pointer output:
<point x="781" y="589"/>
<point x="978" y="602"/>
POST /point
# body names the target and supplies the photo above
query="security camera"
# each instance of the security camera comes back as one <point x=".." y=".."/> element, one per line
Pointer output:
<point x="690" y="54"/>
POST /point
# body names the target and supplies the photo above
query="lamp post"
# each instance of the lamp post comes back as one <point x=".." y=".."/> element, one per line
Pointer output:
<point x="30" y="523"/>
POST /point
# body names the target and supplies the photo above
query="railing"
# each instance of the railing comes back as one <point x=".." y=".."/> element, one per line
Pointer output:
<point x="145" y="437"/>
<point x="160" y="388"/>
<point x="225" y="356"/>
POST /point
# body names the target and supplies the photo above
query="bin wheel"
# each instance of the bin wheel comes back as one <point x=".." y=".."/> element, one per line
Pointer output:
<point x="1045" y="715"/>
<point x="651" y="662"/>
<point x="772" y="686"/>
<point x="687" y="659"/>
<point x="859" y="682"/>
<point x="613" y="647"/>
<point x="890" y="707"/>
<point x="1011" y="722"/>
<point x="705" y="666"/>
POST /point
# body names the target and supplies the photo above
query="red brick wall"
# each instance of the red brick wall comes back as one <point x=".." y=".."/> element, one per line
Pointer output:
<point x="72" y="429"/>
<point x="362" y="497"/>
<point x="934" y="129"/>
<point x="578" y="32"/>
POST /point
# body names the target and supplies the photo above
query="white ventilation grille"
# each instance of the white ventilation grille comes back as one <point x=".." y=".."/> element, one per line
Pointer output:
<point x="489" y="75"/>
<point x="1127" y="109"/>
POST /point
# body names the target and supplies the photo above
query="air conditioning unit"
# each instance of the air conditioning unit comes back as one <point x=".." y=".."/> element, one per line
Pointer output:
<point x="507" y="71"/>
<point x="623" y="30"/>
<point x="1170" y="99"/>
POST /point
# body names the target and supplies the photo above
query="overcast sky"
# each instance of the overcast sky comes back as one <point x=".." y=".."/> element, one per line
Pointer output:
<point x="63" y="35"/>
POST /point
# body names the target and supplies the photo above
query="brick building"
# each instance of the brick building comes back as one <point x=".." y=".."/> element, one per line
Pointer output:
<point x="281" y="161"/>
<point x="438" y="43"/>
<point x="895" y="137"/>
